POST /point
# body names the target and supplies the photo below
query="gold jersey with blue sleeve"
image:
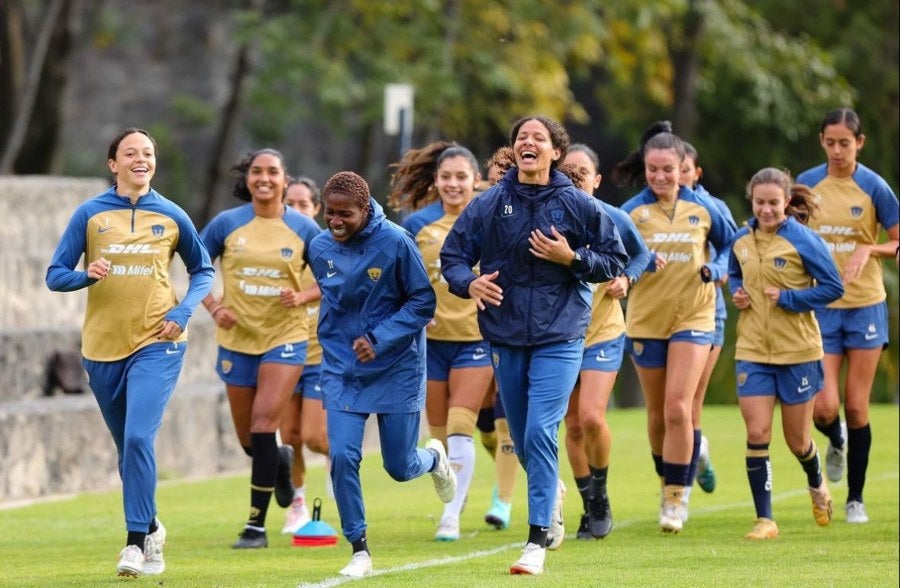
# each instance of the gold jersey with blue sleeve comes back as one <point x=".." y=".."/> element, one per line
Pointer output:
<point x="313" y="349"/>
<point x="676" y="298"/>
<point x="456" y="319"/>
<point x="126" y="311"/>
<point x="607" y="318"/>
<point x="852" y="211"/>
<point x="795" y="260"/>
<point x="258" y="257"/>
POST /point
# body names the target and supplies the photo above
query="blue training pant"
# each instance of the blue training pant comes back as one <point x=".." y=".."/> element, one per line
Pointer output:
<point x="132" y="394"/>
<point x="535" y="384"/>
<point x="398" y="433"/>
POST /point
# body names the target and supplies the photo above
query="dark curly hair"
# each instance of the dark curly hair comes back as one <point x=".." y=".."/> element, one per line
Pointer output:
<point x="351" y="185"/>
<point x="559" y="137"/>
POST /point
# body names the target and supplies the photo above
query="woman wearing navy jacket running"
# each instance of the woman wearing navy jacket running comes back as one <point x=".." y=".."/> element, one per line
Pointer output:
<point x="539" y="240"/>
<point x="779" y="271"/>
<point x="376" y="301"/>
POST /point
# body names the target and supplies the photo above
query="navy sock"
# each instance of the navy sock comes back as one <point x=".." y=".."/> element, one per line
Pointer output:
<point x="859" y="444"/>
<point x="658" y="464"/>
<point x="811" y="465"/>
<point x="759" y="474"/>
<point x="136" y="538"/>
<point x="598" y="481"/>
<point x="262" y="476"/>
<point x="538" y="535"/>
<point x="584" y="489"/>
<point x="695" y="457"/>
<point x="833" y="431"/>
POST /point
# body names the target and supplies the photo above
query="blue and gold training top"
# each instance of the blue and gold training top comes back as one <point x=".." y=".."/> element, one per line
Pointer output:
<point x="126" y="310"/>
<point x="258" y="257"/>
<point x="676" y="298"/>
<point x="456" y="319"/>
<point x="852" y="212"/>
<point x="795" y="260"/>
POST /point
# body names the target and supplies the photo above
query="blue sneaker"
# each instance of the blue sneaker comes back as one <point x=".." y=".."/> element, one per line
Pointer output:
<point x="498" y="514"/>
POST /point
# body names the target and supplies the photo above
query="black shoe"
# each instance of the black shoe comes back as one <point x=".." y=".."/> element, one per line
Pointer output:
<point x="251" y="539"/>
<point x="284" y="486"/>
<point x="600" y="521"/>
<point x="584" y="531"/>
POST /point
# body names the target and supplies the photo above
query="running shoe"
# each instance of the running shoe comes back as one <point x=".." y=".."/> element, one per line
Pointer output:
<point x="821" y="504"/>
<point x="131" y="562"/>
<point x="763" y="529"/>
<point x="251" y="539"/>
<point x="360" y="565"/>
<point x="532" y="561"/>
<point x="557" y="527"/>
<point x="443" y="476"/>
<point x="836" y="458"/>
<point x="448" y="529"/>
<point x="856" y="512"/>
<point x="284" y="486"/>
<point x="706" y="475"/>
<point x="153" y="550"/>
<point x="584" y="530"/>
<point x="600" y="521"/>
<point x="297" y="516"/>
<point x="670" y="519"/>
<point x="498" y="514"/>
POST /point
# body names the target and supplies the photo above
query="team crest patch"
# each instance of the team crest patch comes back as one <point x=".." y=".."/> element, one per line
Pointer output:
<point x="638" y="348"/>
<point x="226" y="366"/>
<point x="157" y="230"/>
<point x="495" y="359"/>
<point x="644" y="215"/>
<point x="856" y="211"/>
<point x="374" y="273"/>
<point x="286" y="253"/>
<point x="556" y="215"/>
<point x="741" y="378"/>
<point x="694" y="220"/>
<point x="780" y="263"/>
<point x="743" y="253"/>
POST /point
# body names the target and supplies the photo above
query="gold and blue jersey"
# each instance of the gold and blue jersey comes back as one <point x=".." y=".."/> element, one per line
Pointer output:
<point x="258" y="257"/>
<point x="125" y="311"/>
<point x="313" y="349"/>
<point x="456" y="319"/>
<point x="852" y="211"/>
<point x="795" y="260"/>
<point x="676" y="298"/>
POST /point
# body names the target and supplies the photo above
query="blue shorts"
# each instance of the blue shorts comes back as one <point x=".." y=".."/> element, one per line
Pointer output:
<point x="241" y="369"/>
<point x="308" y="384"/>
<point x="853" y="328"/>
<point x="653" y="353"/>
<point x="719" y="336"/>
<point x="444" y="356"/>
<point x="605" y="356"/>
<point x="792" y="384"/>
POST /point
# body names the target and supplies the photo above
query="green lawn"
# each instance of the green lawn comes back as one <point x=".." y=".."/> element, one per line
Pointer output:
<point x="74" y="542"/>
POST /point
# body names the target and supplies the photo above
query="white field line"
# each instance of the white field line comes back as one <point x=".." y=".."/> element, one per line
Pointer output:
<point x="442" y="561"/>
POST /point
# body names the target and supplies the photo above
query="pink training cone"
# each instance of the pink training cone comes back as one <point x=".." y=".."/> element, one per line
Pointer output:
<point x="315" y="533"/>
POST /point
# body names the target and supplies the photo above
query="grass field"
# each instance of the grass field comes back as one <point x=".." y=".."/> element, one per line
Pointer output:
<point x="74" y="541"/>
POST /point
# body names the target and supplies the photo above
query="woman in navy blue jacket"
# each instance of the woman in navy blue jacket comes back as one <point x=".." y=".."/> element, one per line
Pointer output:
<point x="376" y="301"/>
<point x="539" y="241"/>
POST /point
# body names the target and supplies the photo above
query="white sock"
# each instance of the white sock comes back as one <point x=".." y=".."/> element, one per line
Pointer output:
<point x="300" y="492"/>
<point x="461" y="453"/>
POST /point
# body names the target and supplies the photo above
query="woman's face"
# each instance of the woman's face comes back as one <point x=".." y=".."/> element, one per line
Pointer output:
<point x="266" y="178"/>
<point x="534" y="152"/>
<point x="690" y="173"/>
<point x="343" y="216"/>
<point x="841" y="148"/>
<point x="455" y="182"/>
<point x="135" y="162"/>
<point x="586" y="168"/>
<point x="662" y="170"/>
<point x="300" y="198"/>
<point x="769" y="205"/>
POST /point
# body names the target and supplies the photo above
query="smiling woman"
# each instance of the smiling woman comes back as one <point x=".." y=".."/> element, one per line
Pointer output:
<point x="536" y="237"/>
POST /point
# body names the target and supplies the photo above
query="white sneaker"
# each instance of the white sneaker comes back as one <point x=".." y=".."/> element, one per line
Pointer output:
<point x="153" y="550"/>
<point x="360" y="565"/>
<point x="557" y="528"/>
<point x="443" y="475"/>
<point x="297" y="516"/>
<point x="448" y="530"/>
<point x="532" y="561"/>
<point x="856" y="512"/>
<point x="671" y="519"/>
<point x="131" y="561"/>
<point x="685" y="501"/>
<point x="836" y="459"/>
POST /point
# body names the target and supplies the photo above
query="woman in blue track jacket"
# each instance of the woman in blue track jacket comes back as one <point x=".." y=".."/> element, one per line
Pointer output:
<point x="539" y="241"/>
<point x="376" y="301"/>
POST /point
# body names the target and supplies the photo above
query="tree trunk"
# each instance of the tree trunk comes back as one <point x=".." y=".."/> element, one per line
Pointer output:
<point x="683" y="49"/>
<point x="12" y="65"/>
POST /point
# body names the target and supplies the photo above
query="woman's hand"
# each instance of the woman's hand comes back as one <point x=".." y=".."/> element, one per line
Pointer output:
<point x="483" y="289"/>
<point x="170" y="330"/>
<point x="363" y="349"/>
<point x="741" y="299"/>
<point x="553" y="248"/>
<point x="99" y="269"/>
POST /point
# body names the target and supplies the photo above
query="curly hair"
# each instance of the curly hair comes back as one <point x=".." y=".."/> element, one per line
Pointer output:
<point x="559" y="137"/>
<point x="504" y="158"/>
<point x="351" y="185"/>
